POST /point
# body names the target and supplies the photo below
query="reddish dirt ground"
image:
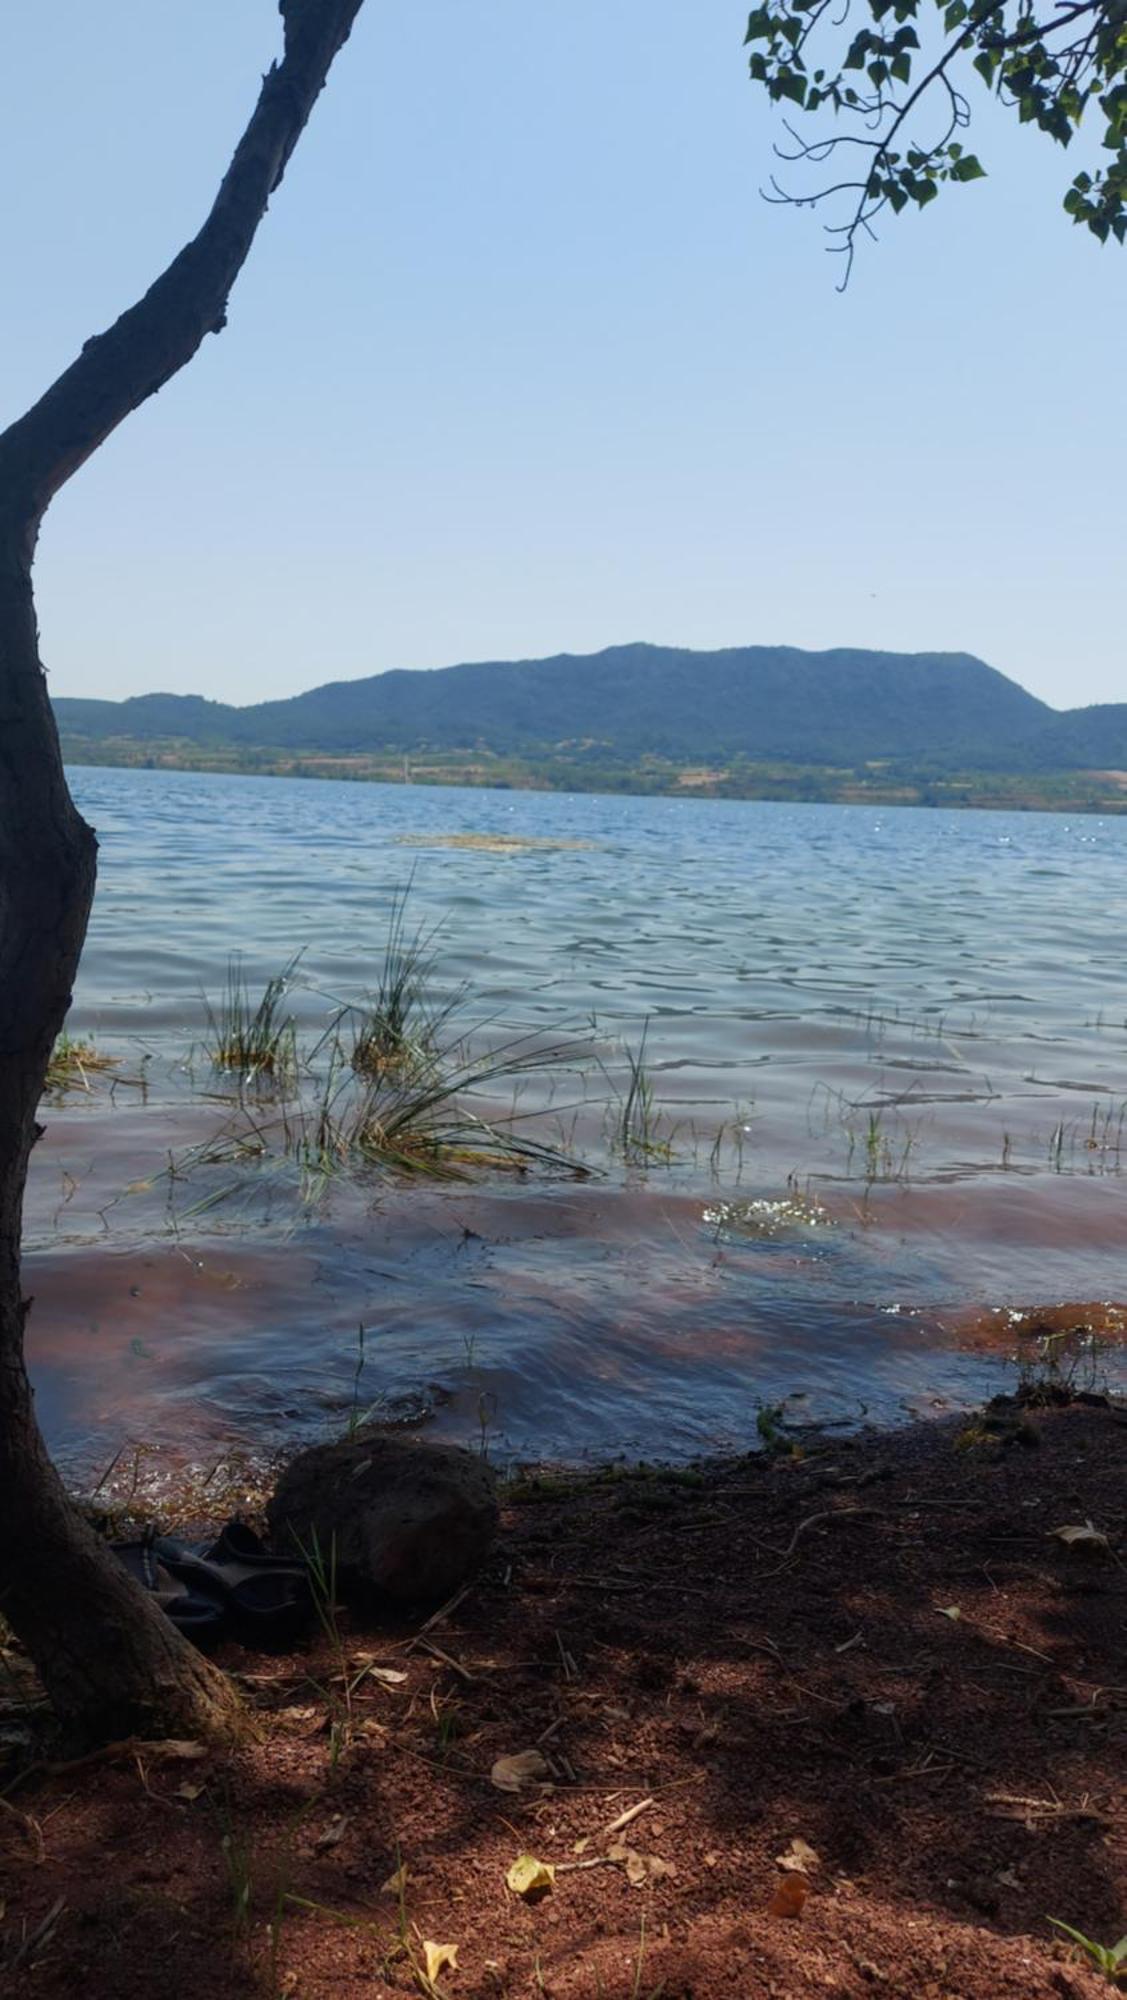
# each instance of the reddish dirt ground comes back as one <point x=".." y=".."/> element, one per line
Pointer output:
<point x="878" y="1648"/>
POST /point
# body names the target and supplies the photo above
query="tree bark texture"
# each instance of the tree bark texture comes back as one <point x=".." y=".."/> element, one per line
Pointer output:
<point x="111" y="1662"/>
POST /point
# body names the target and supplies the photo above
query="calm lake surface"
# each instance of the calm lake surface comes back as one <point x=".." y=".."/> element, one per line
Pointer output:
<point x="889" y="1062"/>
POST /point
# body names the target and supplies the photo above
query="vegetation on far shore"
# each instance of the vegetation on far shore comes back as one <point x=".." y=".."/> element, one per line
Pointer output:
<point x="882" y="782"/>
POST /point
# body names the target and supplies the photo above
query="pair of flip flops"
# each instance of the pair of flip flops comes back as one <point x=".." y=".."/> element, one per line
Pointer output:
<point x="232" y="1584"/>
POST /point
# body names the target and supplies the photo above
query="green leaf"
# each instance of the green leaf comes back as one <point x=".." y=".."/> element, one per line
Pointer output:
<point x="902" y="69"/>
<point x="925" y="191"/>
<point x="968" y="169"/>
<point x="760" y="27"/>
<point x="790" y="84"/>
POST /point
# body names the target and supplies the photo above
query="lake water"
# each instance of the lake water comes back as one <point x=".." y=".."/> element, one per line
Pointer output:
<point x="889" y="1062"/>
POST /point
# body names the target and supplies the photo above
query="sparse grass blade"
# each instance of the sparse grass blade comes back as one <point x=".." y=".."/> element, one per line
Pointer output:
<point x="639" y="1135"/>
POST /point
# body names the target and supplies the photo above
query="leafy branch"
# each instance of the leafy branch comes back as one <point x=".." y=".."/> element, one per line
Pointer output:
<point x="897" y="83"/>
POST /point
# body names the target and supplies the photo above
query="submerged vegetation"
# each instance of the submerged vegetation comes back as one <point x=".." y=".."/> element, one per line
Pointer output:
<point x="403" y="1082"/>
<point x="74" y="1060"/>
<point x="254" y="1037"/>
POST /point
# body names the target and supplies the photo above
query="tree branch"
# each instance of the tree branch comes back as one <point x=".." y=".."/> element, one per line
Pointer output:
<point x="121" y="368"/>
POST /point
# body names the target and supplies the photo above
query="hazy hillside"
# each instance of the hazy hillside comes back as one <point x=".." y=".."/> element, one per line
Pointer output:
<point x="759" y="702"/>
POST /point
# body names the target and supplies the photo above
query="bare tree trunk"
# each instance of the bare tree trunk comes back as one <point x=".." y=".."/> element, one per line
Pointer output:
<point x="110" y="1660"/>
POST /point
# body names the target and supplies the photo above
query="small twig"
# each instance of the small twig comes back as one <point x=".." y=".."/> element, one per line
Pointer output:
<point x="1044" y="1808"/>
<point x="437" y="1617"/>
<point x="448" y="1660"/>
<point x="624" y="1818"/>
<point x="811" y="1521"/>
<point x="41" y="1933"/>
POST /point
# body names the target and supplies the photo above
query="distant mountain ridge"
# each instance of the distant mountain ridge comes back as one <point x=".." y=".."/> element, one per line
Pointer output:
<point x="766" y="703"/>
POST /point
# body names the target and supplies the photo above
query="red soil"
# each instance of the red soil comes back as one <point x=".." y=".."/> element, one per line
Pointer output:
<point x="768" y="1654"/>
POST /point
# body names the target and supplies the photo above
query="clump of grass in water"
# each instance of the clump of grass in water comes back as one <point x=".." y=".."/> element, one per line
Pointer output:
<point x="73" y="1062"/>
<point x="425" y="1125"/>
<point x="255" y="1038"/>
<point x="421" y="1125"/>
<point x="397" y="1030"/>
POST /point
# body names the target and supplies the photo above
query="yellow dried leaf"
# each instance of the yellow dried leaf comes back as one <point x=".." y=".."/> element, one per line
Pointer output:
<point x="800" y="1858"/>
<point x="516" y="1773"/>
<point x="531" y="1878"/>
<point x="306" y="1720"/>
<point x="390" y="1676"/>
<point x="173" y="1751"/>
<point x="640" y="1869"/>
<point x="439" y="1958"/>
<point x="951" y="1611"/>
<point x="397" y="1883"/>
<point x="1081" y="1537"/>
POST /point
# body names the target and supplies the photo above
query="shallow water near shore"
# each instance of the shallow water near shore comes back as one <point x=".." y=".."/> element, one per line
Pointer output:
<point x="889" y="1061"/>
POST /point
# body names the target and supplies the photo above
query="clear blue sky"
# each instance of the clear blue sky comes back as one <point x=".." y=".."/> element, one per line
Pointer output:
<point x="521" y="363"/>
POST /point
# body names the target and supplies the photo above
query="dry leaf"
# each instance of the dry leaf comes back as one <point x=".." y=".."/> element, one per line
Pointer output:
<point x="397" y="1883"/>
<point x="439" y="1957"/>
<point x="188" y="1792"/>
<point x="516" y="1773"/>
<point x="951" y="1611"/>
<point x="173" y="1751"/>
<point x="530" y="1878"/>
<point x="1086" y="1537"/>
<point x="581" y="1846"/>
<point x="391" y="1676"/>
<point x="799" y="1859"/>
<point x="307" y="1721"/>
<point x="334" y="1833"/>
<point x="789" y="1897"/>
<point x="368" y="1730"/>
<point x="640" y="1869"/>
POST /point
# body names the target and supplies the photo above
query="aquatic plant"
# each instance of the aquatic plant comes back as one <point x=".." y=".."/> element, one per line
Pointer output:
<point x="398" y="1026"/>
<point x="254" y="1037"/>
<point x="73" y="1062"/>
<point x="638" y="1132"/>
<point x="440" y="1122"/>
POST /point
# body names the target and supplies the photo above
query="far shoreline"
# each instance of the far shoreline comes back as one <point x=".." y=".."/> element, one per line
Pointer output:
<point x="1099" y="794"/>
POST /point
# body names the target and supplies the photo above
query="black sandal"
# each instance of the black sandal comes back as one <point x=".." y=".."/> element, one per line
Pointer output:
<point x="267" y="1596"/>
<point x="198" y="1612"/>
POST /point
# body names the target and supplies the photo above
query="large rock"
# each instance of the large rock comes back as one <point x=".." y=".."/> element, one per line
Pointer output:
<point x="407" y="1519"/>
